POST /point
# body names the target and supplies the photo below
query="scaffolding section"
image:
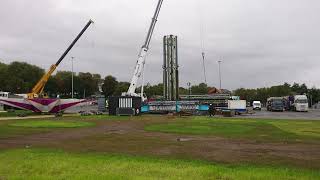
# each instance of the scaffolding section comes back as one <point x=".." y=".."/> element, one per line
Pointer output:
<point x="170" y="68"/>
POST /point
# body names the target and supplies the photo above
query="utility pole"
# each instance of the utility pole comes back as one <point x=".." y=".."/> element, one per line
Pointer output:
<point x="189" y="86"/>
<point x="72" y="58"/>
<point x="311" y="100"/>
<point x="204" y="67"/>
<point x="220" y="73"/>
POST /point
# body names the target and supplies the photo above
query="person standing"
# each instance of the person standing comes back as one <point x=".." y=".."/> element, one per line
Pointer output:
<point x="211" y="110"/>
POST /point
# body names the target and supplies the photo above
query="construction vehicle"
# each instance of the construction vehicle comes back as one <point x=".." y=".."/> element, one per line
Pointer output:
<point x="142" y="55"/>
<point x="37" y="90"/>
<point x="130" y="102"/>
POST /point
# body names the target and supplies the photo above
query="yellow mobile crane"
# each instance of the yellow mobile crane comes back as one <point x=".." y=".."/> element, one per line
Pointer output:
<point x="37" y="90"/>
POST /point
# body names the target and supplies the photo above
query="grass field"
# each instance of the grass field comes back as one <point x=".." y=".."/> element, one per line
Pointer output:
<point x="10" y="131"/>
<point x="256" y="129"/>
<point x="85" y="153"/>
<point x="24" y="127"/>
<point x="16" y="113"/>
<point x="52" y="124"/>
<point x="15" y="128"/>
<point x="50" y="164"/>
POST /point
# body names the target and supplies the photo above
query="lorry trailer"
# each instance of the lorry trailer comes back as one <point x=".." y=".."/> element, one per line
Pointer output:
<point x="276" y="104"/>
<point x="297" y="103"/>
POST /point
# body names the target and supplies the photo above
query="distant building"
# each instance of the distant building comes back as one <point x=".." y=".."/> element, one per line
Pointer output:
<point x="225" y="91"/>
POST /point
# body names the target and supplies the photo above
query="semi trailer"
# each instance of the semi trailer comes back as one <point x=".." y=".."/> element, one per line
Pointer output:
<point x="275" y="104"/>
<point x="299" y="103"/>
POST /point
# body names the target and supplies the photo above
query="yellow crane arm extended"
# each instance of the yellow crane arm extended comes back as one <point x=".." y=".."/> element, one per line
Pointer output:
<point x="39" y="87"/>
<point x="37" y="90"/>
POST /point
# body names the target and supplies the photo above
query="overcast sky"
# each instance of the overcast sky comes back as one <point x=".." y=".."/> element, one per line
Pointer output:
<point x="261" y="42"/>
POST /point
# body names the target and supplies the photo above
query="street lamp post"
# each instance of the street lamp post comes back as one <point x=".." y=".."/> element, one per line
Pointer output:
<point x="311" y="101"/>
<point x="189" y="86"/>
<point x="220" y="73"/>
<point x="72" y="58"/>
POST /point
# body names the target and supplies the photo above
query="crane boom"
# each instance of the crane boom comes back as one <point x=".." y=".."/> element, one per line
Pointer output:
<point x="39" y="87"/>
<point x="143" y="52"/>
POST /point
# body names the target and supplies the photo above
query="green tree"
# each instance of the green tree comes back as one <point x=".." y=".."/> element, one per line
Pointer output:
<point x="153" y="91"/>
<point x="109" y="86"/>
<point x="303" y="89"/>
<point x="22" y="77"/>
<point x="262" y="94"/>
<point x="88" y="85"/>
<point x="122" y="87"/>
<point x="63" y="83"/>
<point x="51" y="87"/>
<point x="200" y="89"/>
<point x="3" y="77"/>
<point x="314" y="95"/>
<point x="183" y="91"/>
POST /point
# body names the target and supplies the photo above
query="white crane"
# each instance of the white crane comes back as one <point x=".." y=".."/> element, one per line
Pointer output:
<point x="142" y="55"/>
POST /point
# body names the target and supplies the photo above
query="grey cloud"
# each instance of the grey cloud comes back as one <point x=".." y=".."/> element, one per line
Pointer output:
<point x="261" y="43"/>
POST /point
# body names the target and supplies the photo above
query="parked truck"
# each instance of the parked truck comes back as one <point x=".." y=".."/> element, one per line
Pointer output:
<point x="238" y="106"/>
<point x="276" y="104"/>
<point x="297" y="103"/>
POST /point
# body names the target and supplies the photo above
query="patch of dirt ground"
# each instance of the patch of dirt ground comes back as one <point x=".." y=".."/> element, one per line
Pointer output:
<point x="129" y="137"/>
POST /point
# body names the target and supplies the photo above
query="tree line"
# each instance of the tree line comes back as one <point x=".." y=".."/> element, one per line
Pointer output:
<point x="20" y="77"/>
<point x="111" y="87"/>
<point x="262" y="94"/>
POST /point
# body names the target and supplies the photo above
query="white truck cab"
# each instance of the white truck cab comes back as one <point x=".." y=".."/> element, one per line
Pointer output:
<point x="256" y="105"/>
<point x="301" y="103"/>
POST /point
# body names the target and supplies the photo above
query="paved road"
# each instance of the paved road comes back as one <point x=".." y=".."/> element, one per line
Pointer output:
<point x="311" y="115"/>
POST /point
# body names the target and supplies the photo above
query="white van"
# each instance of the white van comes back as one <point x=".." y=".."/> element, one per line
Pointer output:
<point x="256" y="105"/>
